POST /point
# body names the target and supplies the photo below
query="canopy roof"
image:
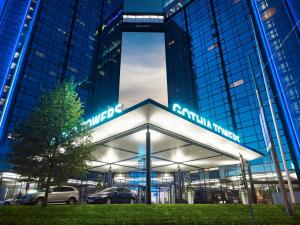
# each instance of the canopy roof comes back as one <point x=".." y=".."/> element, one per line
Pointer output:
<point x="175" y="142"/>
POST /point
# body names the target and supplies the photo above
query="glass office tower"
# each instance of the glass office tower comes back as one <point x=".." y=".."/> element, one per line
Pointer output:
<point x="278" y="23"/>
<point x="10" y="29"/>
<point x="16" y="23"/>
<point x="59" y="45"/>
<point x="107" y="83"/>
<point x="221" y="38"/>
<point x="207" y="42"/>
<point x="105" y="78"/>
<point x="180" y="70"/>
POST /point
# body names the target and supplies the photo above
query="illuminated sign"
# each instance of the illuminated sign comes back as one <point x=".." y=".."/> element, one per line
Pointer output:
<point x="204" y="122"/>
<point x="103" y="116"/>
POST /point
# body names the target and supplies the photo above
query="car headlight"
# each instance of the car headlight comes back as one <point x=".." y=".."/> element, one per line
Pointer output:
<point x="103" y="196"/>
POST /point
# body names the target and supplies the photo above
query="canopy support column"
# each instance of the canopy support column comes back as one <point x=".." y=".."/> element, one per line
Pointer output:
<point x="180" y="184"/>
<point x="110" y="177"/>
<point x="148" y="167"/>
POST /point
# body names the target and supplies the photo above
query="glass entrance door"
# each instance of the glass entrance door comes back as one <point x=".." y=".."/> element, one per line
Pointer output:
<point x="162" y="195"/>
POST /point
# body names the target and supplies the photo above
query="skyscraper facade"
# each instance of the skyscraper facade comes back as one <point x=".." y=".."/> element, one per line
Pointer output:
<point x="278" y="23"/>
<point x="56" y="43"/>
<point x="221" y="40"/>
<point x="208" y="45"/>
<point x="11" y="28"/>
<point x="105" y="78"/>
<point x="16" y="24"/>
<point x="180" y="70"/>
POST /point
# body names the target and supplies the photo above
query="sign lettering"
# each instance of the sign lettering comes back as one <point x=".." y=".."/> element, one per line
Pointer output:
<point x="103" y="116"/>
<point x="204" y="122"/>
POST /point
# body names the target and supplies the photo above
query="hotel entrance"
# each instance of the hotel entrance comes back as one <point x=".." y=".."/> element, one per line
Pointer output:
<point x="162" y="188"/>
<point x="151" y="149"/>
<point x="163" y="195"/>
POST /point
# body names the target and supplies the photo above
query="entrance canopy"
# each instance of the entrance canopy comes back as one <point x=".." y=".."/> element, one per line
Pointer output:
<point x="175" y="142"/>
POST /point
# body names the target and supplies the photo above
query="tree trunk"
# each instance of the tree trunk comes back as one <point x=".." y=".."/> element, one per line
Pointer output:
<point x="45" y="203"/>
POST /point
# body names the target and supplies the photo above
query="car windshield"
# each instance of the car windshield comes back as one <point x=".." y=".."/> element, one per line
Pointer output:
<point x="32" y="191"/>
<point x="108" y="190"/>
<point x="17" y="196"/>
<point x="42" y="190"/>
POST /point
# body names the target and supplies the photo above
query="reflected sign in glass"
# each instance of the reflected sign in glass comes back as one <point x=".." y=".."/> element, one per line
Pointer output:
<point x="264" y="128"/>
<point x="104" y="116"/>
<point x="205" y="122"/>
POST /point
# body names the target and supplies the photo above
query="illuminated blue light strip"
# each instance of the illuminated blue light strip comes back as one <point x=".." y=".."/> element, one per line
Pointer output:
<point x="15" y="48"/>
<point x="17" y="71"/>
<point x="113" y="19"/>
<point x="277" y="82"/>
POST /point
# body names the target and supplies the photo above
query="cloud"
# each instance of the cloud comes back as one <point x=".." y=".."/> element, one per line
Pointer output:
<point x="143" y="70"/>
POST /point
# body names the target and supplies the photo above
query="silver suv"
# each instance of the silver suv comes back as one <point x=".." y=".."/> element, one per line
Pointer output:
<point x="63" y="194"/>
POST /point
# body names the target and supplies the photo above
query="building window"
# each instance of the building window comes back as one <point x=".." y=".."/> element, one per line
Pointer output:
<point x="52" y="73"/>
<point x="237" y="83"/>
<point x="9" y="136"/>
<point x="2" y="101"/>
<point x="81" y="23"/>
<point x="13" y="65"/>
<point x="171" y="43"/>
<point x="17" y="54"/>
<point x="73" y="70"/>
<point x="39" y="54"/>
<point x="268" y="13"/>
<point x="212" y="47"/>
<point x="6" y="88"/>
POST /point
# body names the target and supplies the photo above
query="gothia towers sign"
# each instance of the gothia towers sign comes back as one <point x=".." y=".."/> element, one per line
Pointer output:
<point x="204" y="122"/>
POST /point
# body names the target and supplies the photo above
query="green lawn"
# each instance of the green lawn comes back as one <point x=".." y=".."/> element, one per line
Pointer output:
<point x="142" y="214"/>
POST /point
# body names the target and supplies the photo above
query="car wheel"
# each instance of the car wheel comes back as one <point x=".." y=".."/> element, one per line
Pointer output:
<point x="71" y="201"/>
<point x="108" y="201"/>
<point x="132" y="201"/>
<point x="6" y="203"/>
<point x="39" y="201"/>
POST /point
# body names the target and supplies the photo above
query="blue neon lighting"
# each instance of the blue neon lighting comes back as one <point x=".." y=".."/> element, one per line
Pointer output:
<point x="15" y="47"/>
<point x="282" y="97"/>
<point x="113" y="19"/>
<point x="18" y="67"/>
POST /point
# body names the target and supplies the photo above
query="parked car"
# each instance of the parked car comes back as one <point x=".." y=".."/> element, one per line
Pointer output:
<point x="111" y="196"/>
<point x="63" y="194"/>
<point x="12" y="201"/>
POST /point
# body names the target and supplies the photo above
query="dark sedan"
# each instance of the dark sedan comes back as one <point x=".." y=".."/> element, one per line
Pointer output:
<point x="112" y="196"/>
